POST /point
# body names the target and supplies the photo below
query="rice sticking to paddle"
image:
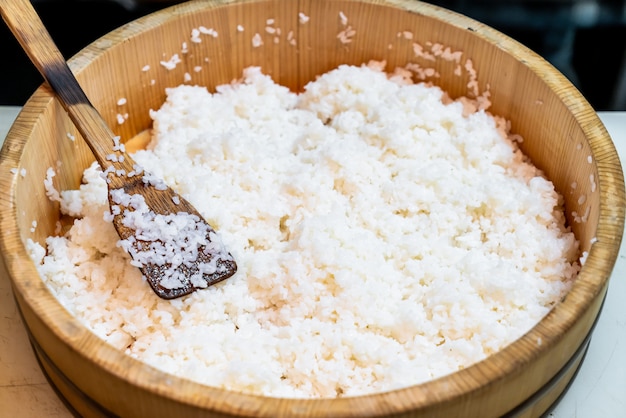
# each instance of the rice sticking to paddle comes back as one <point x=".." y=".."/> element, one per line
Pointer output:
<point x="178" y="251"/>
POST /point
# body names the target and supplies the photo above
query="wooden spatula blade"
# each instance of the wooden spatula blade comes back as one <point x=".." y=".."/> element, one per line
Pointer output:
<point x="177" y="253"/>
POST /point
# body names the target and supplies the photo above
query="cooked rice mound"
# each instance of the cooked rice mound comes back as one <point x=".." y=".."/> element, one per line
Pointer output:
<point x="385" y="235"/>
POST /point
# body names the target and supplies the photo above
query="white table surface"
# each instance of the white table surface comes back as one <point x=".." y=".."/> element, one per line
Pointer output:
<point x="599" y="389"/>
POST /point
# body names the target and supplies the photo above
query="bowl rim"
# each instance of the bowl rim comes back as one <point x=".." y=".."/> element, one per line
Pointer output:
<point x="585" y="294"/>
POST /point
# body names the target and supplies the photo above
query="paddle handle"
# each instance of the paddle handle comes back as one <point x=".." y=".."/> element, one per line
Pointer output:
<point x="29" y="30"/>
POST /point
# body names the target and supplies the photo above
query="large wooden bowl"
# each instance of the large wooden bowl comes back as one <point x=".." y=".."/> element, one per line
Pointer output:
<point x="563" y="136"/>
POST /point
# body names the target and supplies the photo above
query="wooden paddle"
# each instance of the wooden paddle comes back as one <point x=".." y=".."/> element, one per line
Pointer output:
<point x="177" y="251"/>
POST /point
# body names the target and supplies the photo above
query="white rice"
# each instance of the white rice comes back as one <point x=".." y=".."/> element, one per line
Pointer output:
<point x="383" y="238"/>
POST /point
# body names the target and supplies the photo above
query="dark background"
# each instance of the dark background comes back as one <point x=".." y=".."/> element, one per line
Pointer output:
<point x="584" y="39"/>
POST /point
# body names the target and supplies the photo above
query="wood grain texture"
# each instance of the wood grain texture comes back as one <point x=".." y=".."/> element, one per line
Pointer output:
<point x="562" y="135"/>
